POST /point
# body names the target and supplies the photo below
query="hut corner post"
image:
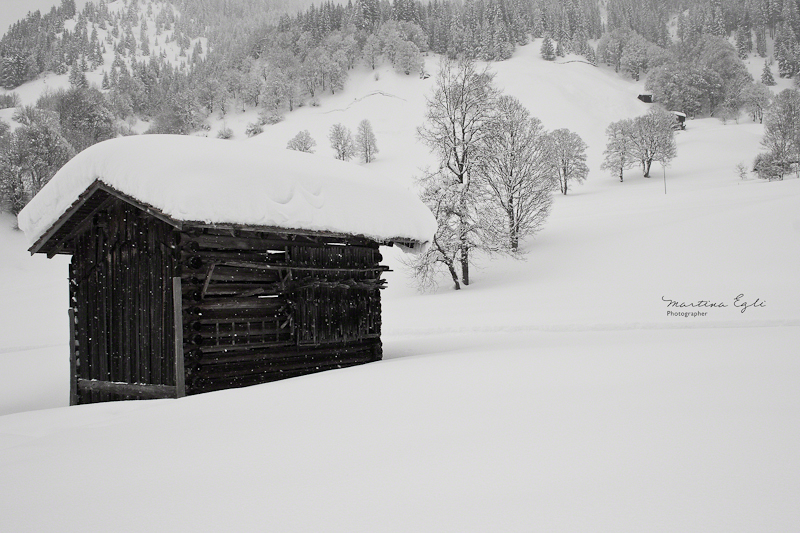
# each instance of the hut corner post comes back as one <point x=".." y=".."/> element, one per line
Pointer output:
<point x="73" y="360"/>
<point x="180" y="370"/>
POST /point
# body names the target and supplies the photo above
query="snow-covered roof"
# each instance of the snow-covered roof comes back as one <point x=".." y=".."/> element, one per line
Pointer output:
<point x="214" y="181"/>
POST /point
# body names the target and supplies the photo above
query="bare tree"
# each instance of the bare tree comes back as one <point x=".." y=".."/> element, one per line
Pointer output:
<point x="457" y="123"/>
<point x="619" y="150"/>
<point x="444" y="250"/>
<point x="302" y="142"/>
<point x="366" y="144"/>
<point x="342" y="142"/>
<point x="653" y="138"/>
<point x="567" y="158"/>
<point x="515" y="170"/>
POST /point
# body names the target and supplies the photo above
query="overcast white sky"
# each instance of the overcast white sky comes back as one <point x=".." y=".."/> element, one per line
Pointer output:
<point x="13" y="10"/>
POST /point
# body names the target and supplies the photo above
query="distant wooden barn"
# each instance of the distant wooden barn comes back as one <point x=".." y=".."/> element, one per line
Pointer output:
<point x="173" y="295"/>
<point x="680" y="120"/>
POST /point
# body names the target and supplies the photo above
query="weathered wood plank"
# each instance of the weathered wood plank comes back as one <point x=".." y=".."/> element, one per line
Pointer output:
<point x="138" y="390"/>
<point x="177" y="311"/>
<point x="73" y="360"/>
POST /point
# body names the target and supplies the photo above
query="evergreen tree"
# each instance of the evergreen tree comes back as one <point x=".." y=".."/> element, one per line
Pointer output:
<point x="591" y="57"/>
<point x="761" y="41"/>
<point x="547" y="50"/>
<point x="77" y="78"/>
<point x="742" y="36"/>
<point x="766" y="76"/>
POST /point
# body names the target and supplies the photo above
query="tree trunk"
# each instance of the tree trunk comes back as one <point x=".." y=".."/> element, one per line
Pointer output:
<point x="452" y="270"/>
<point x="464" y="239"/>
<point x="620" y="174"/>
<point x="513" y="229"/>
<point x="647" y="168"/>
<point x="465" y="265"/>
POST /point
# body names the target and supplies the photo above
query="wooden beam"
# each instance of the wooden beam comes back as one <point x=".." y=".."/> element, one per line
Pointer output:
<point x="362" y="240"/>
<point x="82" y="226"/>
<point x="64" y="217"/>
<point x="73" y="360"/>
<point x="138" y="390"/>
<point x="152" y="211"/>
<point x="180" y="369"/>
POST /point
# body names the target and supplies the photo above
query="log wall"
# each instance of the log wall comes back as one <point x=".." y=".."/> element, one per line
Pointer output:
<point x="121" y="298"/>
<point x="260" y="307"/>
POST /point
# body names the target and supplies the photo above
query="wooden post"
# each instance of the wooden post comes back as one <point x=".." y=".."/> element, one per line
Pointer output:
<point x="177" y="306"/>
<point x="73" y="360"/>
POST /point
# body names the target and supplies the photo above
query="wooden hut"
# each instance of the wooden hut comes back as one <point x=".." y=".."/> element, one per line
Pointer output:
<point x="680" y="120"/>
<point x="200" y="264"/>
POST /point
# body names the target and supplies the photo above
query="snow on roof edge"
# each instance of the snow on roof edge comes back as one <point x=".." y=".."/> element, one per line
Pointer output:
<point x="226" y="182"/>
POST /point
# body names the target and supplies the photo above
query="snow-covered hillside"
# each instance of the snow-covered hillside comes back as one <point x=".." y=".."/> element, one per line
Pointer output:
<point x="160" y="43"/>
<point x="553" y="394"/>
<point x="14" y="10"/>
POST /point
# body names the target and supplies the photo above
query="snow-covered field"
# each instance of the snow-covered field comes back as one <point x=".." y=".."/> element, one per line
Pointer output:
<point x="552" y="394"/>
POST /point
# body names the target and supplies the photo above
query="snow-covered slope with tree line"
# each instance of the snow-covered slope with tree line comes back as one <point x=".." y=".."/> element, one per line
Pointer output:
<point x="175" y="67"/>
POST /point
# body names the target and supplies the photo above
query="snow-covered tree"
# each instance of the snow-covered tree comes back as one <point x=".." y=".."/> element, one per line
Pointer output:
<point x="761" y="41"/>
<point x="634" y="56"/>
<point x="371" y="51"/>
<point x="302" y="142"/>
<point x="77" y="78"/>
<point x="757" y="98"/>
<point x="342" y="142"/>
<point x="85" y="118"/>
<point x="567" y="158"/>
<point x="458" y="120"/>
<point x="366" y="144"/>
<point x="548" y="51"/>
<point x="408" y="59"/>
<point x="444" y="252"/>
<point x="653" y="138"/>
<point x="766" y="76"/>
<point x="591" y="56"/>
<point x="618" y="153"/>
<point x="515" y="171"/>
<point x="32" y="156"/>
<point x="782" y="127"/>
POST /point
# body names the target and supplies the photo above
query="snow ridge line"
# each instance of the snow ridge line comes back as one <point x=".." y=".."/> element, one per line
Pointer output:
<point x="356" y="100"/>
<point x="561" y="328"/>
<point x="15" y="349"/>
<point x="573" y="61"/>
